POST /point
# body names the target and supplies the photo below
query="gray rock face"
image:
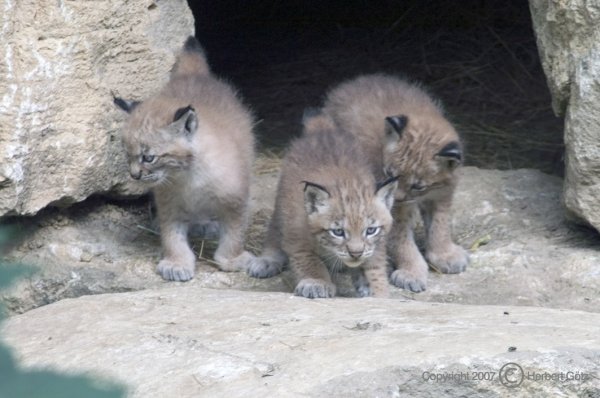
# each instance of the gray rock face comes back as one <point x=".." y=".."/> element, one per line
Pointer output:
<point x="59" y="140"/>
<point x="189" y="342"/>
<point x="567" y="37"/>
<point x="523" y="250"/>
<point x="582" y="135"/>
<point x="565" y="33"/>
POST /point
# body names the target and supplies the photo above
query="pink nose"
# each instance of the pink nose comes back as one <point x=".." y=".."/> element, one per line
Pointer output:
<point x="136" y="176"/>
<point x="355" y="254"/>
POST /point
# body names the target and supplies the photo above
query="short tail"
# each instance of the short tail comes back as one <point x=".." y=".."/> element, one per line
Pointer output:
<point x="191" y="60"/>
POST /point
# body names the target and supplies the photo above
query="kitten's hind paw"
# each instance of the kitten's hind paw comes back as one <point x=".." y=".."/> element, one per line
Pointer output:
<point x="364" y="291"/>
<point x="315" y="288"/>
<point x="172" y="271"/>
<point x="264" y="268"/>
<point x="271" y="263"/>
<point x="361" y="285"/>
<point x="453" y="260"/>
<point x="408" y="281"/>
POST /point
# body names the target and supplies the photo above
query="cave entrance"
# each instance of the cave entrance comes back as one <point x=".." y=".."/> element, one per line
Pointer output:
<point x="478" y="56"/>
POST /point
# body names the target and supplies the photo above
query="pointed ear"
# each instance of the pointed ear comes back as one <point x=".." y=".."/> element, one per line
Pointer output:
<point x="316" y="198"/>
<point x="186" y="120"/>
<point x="394" y="127"/>
<point x="450" y="155"/>
<point x="385" y="191"/>
<point x="127" y="106"/>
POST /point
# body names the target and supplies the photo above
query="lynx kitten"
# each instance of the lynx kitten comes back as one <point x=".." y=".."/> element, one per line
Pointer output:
<point x="406" y="134"/>
<point x="192" y="143"/>
<point x="329" y="213"/>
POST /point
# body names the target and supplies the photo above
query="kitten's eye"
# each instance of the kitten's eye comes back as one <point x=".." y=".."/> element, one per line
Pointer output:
<point x="148" y="158"/>
<point x="337" y="232"/>
<point x="372" y="231"/>
<point x="418" y="187"/>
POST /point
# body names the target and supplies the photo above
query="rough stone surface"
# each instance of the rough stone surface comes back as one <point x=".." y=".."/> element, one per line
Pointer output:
<point x="568" y="36"/>
<point x="185" y="341"/>
<point x="59" y="140"/>
<point x="582" y="134"/>
<point x="565" y="32"/>
<point x="523" y="250"/>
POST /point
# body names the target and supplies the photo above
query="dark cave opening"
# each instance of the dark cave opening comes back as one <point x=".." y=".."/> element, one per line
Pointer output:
<point x="478" y="56"/>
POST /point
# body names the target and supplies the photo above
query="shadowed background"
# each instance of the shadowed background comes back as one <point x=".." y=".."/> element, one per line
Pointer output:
<point x="478" y="56"/>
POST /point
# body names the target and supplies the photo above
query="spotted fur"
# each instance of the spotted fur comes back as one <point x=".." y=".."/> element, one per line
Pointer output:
<point x="329" y="214"/>
<point x="404" y="133"/>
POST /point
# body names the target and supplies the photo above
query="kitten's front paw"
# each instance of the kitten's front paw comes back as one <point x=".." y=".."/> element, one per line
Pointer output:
<point x="315" y="288"/>
<point x="172" y="271"/>
<point x="363" y="291"/>
<point x="264" y="267"/>
<point x="361" y="285"/>
<point x="408" y="280"/>
<point x="451" y="261"/>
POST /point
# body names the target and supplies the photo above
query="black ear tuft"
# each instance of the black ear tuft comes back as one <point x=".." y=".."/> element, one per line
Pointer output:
<point x="312" y="184"/>
<point x="452" y="150"/>
<point x="127" y="106"/>
<point x="182" y="111"/>
<point x="398" y="123"/>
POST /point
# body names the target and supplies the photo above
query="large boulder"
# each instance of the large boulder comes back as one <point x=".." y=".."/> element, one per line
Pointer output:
<point x="59" y="140"/>
<point x="186" y="341"/>
<point x="568" y="41"/>
<point x="565" y="32"/>
<point x="582" y="135"/>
